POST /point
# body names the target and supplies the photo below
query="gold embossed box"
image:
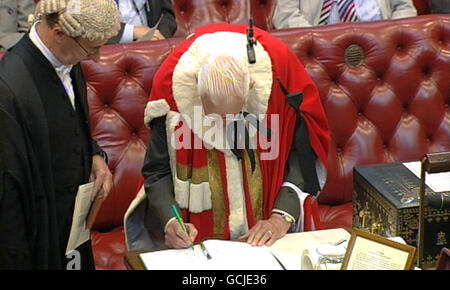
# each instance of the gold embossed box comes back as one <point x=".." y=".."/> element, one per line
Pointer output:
<point x="385" y="202"/>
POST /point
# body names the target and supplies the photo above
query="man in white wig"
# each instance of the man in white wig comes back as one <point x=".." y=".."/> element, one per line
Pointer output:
<point x="46" y="148"/>
<point x="256" y="192"/>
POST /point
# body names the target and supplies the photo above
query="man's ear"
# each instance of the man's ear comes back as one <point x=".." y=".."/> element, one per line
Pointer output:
<point x="59" y="34"/>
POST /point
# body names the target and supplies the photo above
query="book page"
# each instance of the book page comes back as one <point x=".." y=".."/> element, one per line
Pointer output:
<point x="438" y="182"/>
<point x="79" y="233"/>
<point x="225" y="255"/>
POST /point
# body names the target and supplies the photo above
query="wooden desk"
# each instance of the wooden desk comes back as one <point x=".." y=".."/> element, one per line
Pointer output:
<point x="291" y="244"/>
<point x="133" y="262"/>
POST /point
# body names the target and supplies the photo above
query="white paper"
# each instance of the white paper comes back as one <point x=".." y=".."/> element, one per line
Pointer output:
<point x="438" y="182"/>
<point x="226" y="255"/>
<point x="79" y="233"/>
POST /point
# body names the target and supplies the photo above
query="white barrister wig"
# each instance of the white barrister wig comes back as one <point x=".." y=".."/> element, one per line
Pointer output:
<point x="89" y="19"/>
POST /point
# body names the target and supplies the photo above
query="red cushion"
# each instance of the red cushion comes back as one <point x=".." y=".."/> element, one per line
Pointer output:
<point x="338" y="216"/>
<point x="109" y="249"/>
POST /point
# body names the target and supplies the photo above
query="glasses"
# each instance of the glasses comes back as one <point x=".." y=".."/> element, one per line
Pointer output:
<point x="95" y="50"/>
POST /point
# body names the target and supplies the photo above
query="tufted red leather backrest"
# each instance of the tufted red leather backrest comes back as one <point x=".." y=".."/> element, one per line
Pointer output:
<point x="191" y="14"/>
<point x="394" y="106"/>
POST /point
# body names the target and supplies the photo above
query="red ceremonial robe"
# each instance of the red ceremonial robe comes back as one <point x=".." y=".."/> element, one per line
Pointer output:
<point x="287" y="68"/>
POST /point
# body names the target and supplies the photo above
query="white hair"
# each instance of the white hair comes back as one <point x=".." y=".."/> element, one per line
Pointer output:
<point x="224" y="77"/>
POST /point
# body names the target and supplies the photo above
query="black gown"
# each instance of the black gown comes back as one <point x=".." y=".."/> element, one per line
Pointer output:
<point x="45" y="153"/>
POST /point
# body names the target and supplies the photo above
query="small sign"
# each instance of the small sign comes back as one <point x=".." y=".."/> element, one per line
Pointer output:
<point x="367" y="251"/>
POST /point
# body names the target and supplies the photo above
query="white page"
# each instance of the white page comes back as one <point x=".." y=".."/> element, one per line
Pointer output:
<point x="79" y="233"/>
<point x="438" y="182"/>
<point x="226" y="255"/>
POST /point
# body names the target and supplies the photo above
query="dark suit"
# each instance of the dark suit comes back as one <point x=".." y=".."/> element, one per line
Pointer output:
<point x="439" y="6"/>
<point x="168" y="24"/>
<point x="45" y="153"/>
<point x="14" y="21"/>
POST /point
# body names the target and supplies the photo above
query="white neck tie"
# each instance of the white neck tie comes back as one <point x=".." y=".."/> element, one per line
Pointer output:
<point x="63" y="72"/>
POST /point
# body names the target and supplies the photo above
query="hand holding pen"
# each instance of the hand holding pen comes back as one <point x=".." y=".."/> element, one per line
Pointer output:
<point x="178" y="238"/>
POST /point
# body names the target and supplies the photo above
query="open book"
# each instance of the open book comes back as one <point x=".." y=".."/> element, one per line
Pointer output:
<point x="225" y="255"/>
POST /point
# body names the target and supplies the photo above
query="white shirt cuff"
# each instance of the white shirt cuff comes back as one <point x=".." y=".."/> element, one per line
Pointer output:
<point x="167" y="224"/>
<point x="128" y="33"/>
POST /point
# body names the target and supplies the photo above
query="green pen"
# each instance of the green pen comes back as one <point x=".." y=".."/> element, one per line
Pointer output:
<point x="176" y="213"/>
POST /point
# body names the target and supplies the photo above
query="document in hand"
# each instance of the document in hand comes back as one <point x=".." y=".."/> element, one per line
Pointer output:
<point x="84" y="214"/>
<point x="149" y="35"/>
<point x="225" y="255"/>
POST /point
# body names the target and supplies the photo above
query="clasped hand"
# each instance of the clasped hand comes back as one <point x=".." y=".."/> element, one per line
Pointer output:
<point x="265" y="232"/>
<point x="101" y="176"/>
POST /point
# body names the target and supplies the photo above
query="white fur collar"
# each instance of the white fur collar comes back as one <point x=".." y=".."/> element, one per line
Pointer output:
<point x="184" y="82"/>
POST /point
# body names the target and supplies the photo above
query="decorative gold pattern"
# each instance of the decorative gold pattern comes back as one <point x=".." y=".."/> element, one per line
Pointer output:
<point x="212" y="174"/>
<point x="217" y="194"/>
<point x="200" y="175"/>
<point x="255" y="185"/>
<point x="184" y="172"/>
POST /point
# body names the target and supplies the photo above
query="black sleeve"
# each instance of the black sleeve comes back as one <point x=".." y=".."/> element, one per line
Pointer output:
<point x="157" y="173"/>
<point x="300" y="170"/>
<point x="96" y="150"/>
<point x="168" y="24"/>
<point x="287" y="199"/>
<point x="14" y="244"/>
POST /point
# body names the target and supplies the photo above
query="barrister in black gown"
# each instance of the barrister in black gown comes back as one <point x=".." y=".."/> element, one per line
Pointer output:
<point x="46" y="152"/>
